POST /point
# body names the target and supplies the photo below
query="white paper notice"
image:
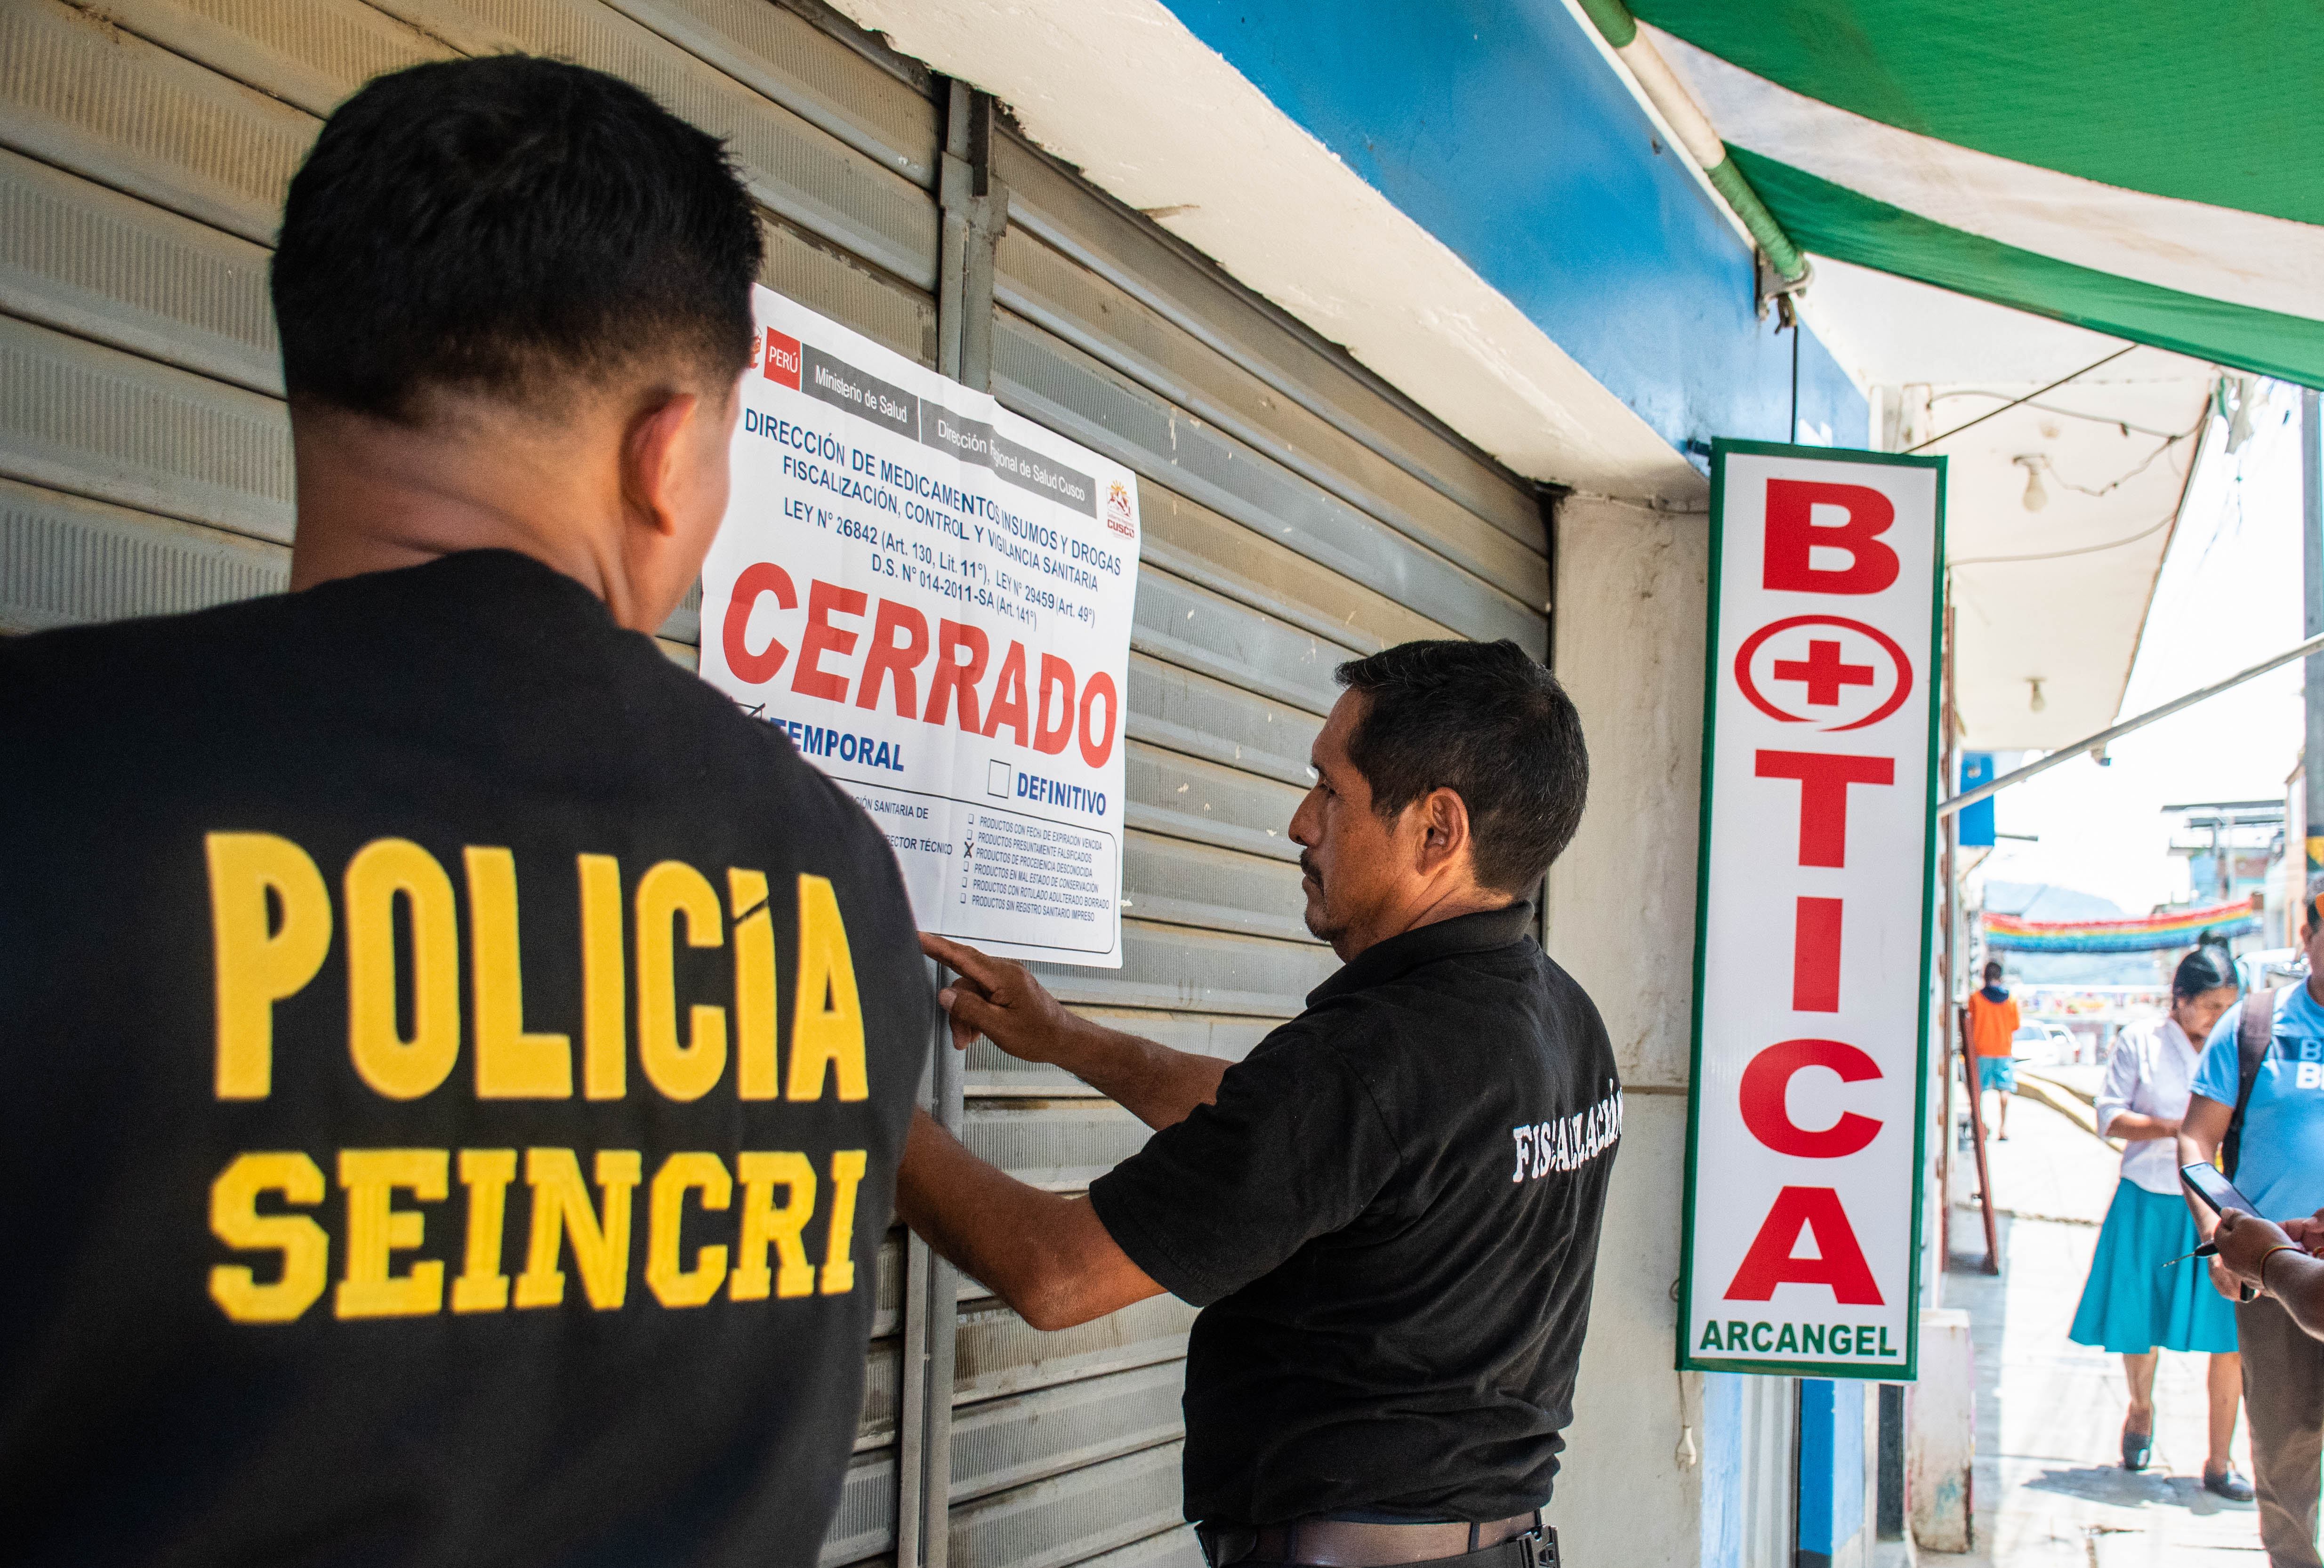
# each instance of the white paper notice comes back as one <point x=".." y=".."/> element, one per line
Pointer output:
<point x="932" y="597"/>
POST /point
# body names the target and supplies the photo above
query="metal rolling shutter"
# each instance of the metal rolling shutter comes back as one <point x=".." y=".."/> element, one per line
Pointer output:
<point x="1296" y="513"/>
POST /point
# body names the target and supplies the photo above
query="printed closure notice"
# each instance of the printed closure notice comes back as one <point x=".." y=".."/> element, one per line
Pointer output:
<point x="932" y="598"/>
<point x="1812" y="925"/>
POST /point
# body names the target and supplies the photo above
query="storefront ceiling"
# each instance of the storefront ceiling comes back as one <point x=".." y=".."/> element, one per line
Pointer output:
<point x="1478" y="203"/>
<point x="2059" y="594"/>
<point x="1539" y="269"/>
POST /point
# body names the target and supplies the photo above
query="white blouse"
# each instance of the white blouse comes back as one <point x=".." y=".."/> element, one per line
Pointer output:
<point x="2148" y="1072"/>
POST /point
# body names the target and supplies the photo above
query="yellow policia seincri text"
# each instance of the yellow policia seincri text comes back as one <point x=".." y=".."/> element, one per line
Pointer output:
<point x="272" y="925"/>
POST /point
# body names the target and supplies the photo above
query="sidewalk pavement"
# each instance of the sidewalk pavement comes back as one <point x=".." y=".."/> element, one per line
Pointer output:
<point x="2049" y="1482"/>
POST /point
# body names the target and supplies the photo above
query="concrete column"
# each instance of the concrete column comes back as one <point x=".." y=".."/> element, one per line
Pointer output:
<point x="1631" y="618"/>
<point x="1940" y="1434"/>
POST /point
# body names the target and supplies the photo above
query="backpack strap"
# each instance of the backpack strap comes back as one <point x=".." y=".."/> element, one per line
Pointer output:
<point x="2255" y="1033"/>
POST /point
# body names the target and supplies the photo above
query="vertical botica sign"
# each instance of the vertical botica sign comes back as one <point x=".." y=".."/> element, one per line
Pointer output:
<point x="1813" y="914"/>
<point x="932" y="598"/>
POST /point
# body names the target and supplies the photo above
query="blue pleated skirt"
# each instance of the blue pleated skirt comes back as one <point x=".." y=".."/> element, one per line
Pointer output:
<point x="2132" y="1303"/>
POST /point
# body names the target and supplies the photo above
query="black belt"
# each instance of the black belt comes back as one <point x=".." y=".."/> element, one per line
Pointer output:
<point x="1520" y="1541"/>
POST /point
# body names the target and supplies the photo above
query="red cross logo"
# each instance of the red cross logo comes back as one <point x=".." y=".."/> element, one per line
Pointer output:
<point x="1823" y="673"/>
<point x="1826" y="673"/>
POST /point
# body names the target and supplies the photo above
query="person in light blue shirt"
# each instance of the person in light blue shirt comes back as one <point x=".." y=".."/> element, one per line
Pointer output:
<point x="2281" y="1169"/>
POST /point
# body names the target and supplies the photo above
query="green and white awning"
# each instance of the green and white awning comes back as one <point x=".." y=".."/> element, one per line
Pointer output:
<point x="2148" y="168"/>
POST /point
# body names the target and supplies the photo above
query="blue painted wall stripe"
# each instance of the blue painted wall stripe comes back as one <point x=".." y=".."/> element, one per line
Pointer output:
<point x="1499" y="129"/>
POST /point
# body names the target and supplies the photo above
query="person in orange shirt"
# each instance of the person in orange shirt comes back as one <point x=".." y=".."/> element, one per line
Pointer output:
<point x="1992" y="1030"/>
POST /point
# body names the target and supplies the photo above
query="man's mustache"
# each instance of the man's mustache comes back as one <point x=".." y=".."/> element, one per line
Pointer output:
<point x="1308" y="867"/>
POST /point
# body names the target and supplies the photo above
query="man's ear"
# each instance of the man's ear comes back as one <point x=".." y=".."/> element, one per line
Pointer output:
<point x="652" y="464"/>
<point x="1443" y="828"/>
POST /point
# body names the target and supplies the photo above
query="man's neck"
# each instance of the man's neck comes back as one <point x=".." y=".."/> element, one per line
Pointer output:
<point x="1450" y="904"/>
<point x="376" y="496"/>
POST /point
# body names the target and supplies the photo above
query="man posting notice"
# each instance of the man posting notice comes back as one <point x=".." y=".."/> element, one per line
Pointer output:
<point x="1389" y="1211"/>
<point x="457" y="1063"/>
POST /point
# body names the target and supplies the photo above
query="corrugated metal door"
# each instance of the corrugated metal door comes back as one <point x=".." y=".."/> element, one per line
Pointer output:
<point x="1296" y="513"/>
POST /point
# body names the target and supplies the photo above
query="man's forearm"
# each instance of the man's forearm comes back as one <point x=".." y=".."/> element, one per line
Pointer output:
<point x="1158" y="1085"/>
<point x="2297" y="1280"/>
<point x="1049" y="1256"/>
<point x="1002" y="1000"/>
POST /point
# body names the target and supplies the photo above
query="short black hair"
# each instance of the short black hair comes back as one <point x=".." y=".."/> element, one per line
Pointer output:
<point x="1487" y="721"/>
<point x="492" y="226"/>
<point x="1992" y="967"/>
<point x="2208" y="968"/>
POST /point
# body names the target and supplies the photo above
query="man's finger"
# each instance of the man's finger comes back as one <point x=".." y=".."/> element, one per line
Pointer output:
<point x="959" y="957"/>
<point x="963" y="1033"/>
<point x="972" y="1010"/>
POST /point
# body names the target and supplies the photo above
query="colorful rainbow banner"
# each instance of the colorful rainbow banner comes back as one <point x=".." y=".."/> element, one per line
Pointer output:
<point x="2134" y="934"/>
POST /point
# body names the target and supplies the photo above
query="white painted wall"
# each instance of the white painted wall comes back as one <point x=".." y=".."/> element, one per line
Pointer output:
<point x="1629" y="622"/>
<point x="1630" y="1490"/>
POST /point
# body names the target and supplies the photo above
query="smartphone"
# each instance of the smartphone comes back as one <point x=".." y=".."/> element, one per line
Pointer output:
<point x="2207" y="1184"/>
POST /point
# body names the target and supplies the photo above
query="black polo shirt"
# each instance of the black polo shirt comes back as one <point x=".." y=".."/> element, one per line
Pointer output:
<point x="1390" y="1220"/>
<point x="456" y="1066"/>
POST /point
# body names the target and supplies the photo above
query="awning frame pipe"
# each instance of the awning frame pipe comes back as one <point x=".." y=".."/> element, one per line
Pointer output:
<point x="1698" y="138"/>
<point x="2106" y="737"/>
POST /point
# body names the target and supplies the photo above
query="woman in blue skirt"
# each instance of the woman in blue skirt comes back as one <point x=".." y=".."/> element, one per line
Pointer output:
<point x="2133" y="1304"/>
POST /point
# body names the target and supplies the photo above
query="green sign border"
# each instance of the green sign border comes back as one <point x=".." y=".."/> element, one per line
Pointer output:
<point x="1881" y="1372"/>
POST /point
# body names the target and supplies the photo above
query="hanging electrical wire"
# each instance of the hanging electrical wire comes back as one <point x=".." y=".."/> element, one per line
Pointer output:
<point x="2167" y="518"/>
<point x="2168" y="442"/>
<point x="2127" y="427"/>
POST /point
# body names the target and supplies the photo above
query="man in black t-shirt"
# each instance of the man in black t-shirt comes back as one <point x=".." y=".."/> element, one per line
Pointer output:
<point x="456" y="1065"/>
<point x="1389" y="1211"/>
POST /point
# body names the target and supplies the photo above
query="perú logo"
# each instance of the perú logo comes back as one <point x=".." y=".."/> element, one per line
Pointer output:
<point x="781" y="363"/>
<point x="1826" y="670"/>
<point x="1118" y="510"/>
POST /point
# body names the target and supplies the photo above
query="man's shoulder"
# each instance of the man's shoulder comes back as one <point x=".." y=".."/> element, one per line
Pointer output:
<point x="408" y="662"/>
<point x="1462" y="1002"/>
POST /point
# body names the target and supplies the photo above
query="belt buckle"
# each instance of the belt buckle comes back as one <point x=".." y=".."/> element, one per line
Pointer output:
<point x="1540" y="1547"/>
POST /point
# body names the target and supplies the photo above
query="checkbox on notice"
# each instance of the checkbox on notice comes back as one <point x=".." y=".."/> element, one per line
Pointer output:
<point x="998" y="777"/>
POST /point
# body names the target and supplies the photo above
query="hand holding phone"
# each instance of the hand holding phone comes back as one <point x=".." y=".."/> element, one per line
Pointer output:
<point x="2219" y="1195"/>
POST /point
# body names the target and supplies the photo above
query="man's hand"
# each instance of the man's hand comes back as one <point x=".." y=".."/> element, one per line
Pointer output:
<point x="2307" y="1233"/>
<point x="2245" y="1242"/>
<point x="1004" y="1003"/>
<point x="2224" y="1281"/>
<point x="1002" y="1000"/>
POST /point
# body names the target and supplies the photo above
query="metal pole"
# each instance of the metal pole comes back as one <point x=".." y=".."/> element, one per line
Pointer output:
<point x="2311" y="556"/>
<point x="1945" y="1004"/>
<point x="2106" y="737"/>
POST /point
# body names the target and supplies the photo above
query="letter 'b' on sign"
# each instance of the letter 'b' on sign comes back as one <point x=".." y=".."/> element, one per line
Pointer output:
<point x="1795" y="533"/>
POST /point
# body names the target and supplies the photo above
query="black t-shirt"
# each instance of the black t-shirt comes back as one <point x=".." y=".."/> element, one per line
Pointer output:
<point x="455" y="1068"/>
<point x="1390" y="1220"/>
